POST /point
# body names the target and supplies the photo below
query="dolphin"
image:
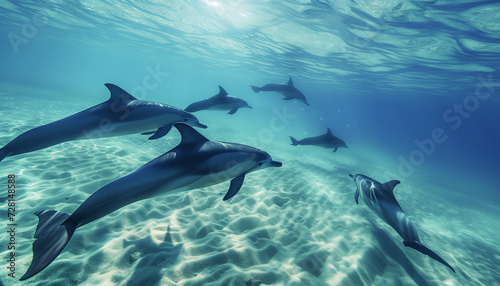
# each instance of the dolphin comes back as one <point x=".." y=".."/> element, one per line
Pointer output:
<point x="380" y="199"/>
<point x="288" y="90"/>
<point x="121" y="114"/>
<point x="326" y="140"/>
<point x="220" y="101"/>
<point x="195" y="163"/>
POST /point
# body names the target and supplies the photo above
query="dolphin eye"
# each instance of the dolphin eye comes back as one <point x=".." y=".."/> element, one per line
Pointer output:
<point x="185" y="119"/>
<point x="260" y="164"/>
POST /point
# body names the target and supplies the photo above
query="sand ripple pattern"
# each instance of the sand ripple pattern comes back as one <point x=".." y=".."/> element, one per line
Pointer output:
<point x="295" y="225"/>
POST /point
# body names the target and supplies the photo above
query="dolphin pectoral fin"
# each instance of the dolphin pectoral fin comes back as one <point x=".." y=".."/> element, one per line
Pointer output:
<point x="356" y="194"/>
<point x="233" y="111"/>
<point x="423" y="249"/>
<point x="148" y="133"/>
<point x="335" y="150"/>
<point x="52" y="236"/>
<point x="235" y="186"/>
<point x="162" y="131"/>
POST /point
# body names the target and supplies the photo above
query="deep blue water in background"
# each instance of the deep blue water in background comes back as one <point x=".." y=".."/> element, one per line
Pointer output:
<point x="380" y="74"/>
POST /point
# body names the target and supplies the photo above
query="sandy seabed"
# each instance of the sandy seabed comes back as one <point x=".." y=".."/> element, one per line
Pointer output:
<point x="294" y="225"/>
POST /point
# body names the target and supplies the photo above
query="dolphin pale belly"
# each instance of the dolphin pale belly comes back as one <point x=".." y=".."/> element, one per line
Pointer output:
<point x="220" y="101"/>
<point x="288" y="90"/>
<point x="381" y="200"/>
<point x="195" y="163"/>
<point x="122" y="114"/>
<point x="326" y="140"/>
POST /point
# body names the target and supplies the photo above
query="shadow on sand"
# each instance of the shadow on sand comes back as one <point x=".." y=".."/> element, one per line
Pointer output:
<point x="154" y="257"/>
<point x="392" y="250"/>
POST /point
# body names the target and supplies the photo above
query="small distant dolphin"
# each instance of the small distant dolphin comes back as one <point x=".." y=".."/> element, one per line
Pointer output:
<point x="326" y="140"/>
<point x="380" y="198"/>
<point x="220" y="101"/>
<point x="195" y="163"/>
<point x="288" y="90"/>
<point x="122" y="114"/>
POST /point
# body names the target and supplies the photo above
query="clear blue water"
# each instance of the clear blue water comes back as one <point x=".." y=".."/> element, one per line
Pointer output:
<point x="383" y="75"/>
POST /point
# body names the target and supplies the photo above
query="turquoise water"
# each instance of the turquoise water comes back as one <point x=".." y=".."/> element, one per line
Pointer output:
<point x="411" y="87"/>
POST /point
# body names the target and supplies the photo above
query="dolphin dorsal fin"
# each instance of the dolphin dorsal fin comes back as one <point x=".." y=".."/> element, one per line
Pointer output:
<point x="189" y="134"/>
<point x="222" y="91"/>
<point x="391" y="184"/>
<point x="328" y="131"/>
<point x="290" y="82"/>
<point x="117" y="93"/>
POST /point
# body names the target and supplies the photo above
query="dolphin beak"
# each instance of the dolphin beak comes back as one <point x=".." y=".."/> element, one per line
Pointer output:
<point x="198" y="124"/>
<point x="250" y="107"/>
<point x="275" y="164"/>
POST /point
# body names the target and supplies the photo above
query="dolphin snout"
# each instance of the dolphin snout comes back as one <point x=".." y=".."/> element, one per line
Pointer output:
<point x="202" y="125"/>
<point x="197" y="124"/>
<point x="275" y="164"/>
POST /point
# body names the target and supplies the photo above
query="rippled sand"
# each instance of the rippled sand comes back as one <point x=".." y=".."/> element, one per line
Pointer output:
<point x="295" y="225"/>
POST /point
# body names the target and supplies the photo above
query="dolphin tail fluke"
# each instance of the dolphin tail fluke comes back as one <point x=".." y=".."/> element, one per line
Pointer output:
<point x="52" y="235"/>
<point x="3" y="154"/>
<point x="255" y="89"/>
<point x="294" y="141"/>
<point x="423" y="249"/>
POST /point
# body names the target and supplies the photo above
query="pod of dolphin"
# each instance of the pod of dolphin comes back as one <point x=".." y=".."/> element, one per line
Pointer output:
<point x="196" y="162"/>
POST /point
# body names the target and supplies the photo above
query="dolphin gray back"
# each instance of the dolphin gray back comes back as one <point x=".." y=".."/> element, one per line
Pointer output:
<point x="381" y="200"/>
